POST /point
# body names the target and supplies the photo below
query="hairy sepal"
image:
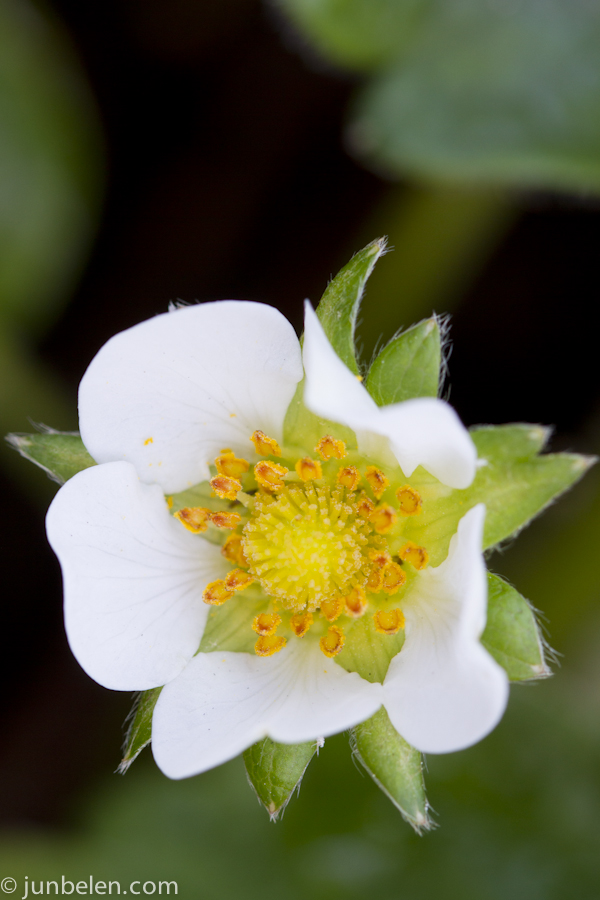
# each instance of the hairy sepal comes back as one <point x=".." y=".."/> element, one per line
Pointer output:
<point x="275" y="771"/>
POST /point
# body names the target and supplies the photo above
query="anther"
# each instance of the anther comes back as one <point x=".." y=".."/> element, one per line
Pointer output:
<point x="300" y="623"/>
<point x="269" y="475"/>
<point x="238" y="579"/>
<point x="377" y="480"/>
<point x="194" y="518"/>
<point x="415" y="555"/>
<point x="229" y="465"/>
<point x="332" y="608"/>
<point x="329" y="448"/>
<point x="365" y="506"/>
<point x="268" y="644"/>
<point x="375" y="580"/>
<point x="332" y="642"/>
<point x="225" y="487"/>
<point x="394" y="577"/>
<point x="266" y="624"/>
<point x="264" y="445"/>
<point x="356" y="602"/>
<point x="309" y="469"/>
<point x="389" y="621"/>
<point x="349" y="477"/>
<point x="216" y="593"/>
<point x="409" y="501"/>
<point x="380" y="557"/>
<point x="225" y="519"/>
<point x="233" y="550"/>
<point x="383" y="518"/>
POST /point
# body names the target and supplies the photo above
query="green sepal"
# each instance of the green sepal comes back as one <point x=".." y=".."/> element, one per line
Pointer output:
<point x="139" y="733"/>
<point x="409" y="366"/>
<point x="512" y="634"/>
<point x="61" y="454"/>
<point x="275" y="771"/>
<point x="339" y="305"/>
<point x="229" y="627"/>
<point x="366" y="652"/>
<point x="302" y="429"/>
<point x="394" y="766"/>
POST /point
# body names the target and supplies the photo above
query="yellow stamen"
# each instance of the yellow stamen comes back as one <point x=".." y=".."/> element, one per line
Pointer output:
<point x="383" y="518"/>
<point x="216" y="593"/>
<point x="380" y="557"/>
<point x="409" y="501"/>
<point x="225" y="519"/>
<point x="333" y="641"/>
<point x="349" y="477"/>
<point x="269" y="475"/>
<point x="233" y="550"/>
<point x="332" y="608"/>
<point x="377" y="480"/>
<point x="237" y="580"/>
<point x="224" y="487"/>
<point x="328" y="448"/>
<point x="415" y="555"/>
<point x="264" y="445"/>
<point x="230" y="465"/>
<point x="389" y="621"/>
<point x="393" y="578"/>
<point x="375" y="580"/>
<point x="300" y="623"/>
<point x="356" y="602"/>
<point x="194" y="518"/>
<point x="169" y="502"/>
<point x="309" y="469"/>
<point x="365" y="506"/>
<point x="268" y="644"/>
<point x="266" y="624"/>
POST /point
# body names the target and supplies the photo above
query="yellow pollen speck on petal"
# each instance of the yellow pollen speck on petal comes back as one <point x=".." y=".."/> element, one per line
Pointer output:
<point x="216" y="593"/>
<point x="356" y="602"/>
<point x="383" y="518"/>
<point x="375" y="580"/>
<point x="230" y="465"/>
<point x="194" y="518"/>
<point x="264" y="445"/>
<point x="349" y="476"/>
<point x="270" y="475"/>
<point x="148" y="441"/>
<point x="389" y="621"/>
<point x="332" y="608"/>
<point x="393" y="578"/>
<point x="365" y="506"/>
<point x="300" y="623"/>
<point x="268" y="644"/>
<point x="238" y="579"/>
<point x="415" y="555"/>
<point x="266" y="623"/>
<point x="225" y="519"/>
<point x="330" y="448"/>
<point x="233" y="550"/>
<point x="377" y="479"/>
<point x="409" y="501"/>
<point x="332" y="642"/>
<point x="224" y="487"/>
<point x="309" y="469"/>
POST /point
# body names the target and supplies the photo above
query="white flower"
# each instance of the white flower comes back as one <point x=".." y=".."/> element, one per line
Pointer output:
<point x="158" y="403"/>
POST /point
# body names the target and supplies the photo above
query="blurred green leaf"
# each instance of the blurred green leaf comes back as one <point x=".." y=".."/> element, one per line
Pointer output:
<point x="512" y="634"/>
<point x="59" y="453"/>
<point x="139" y="733"/>
<point x="395" y="766"/>
<point x="275" y="771"/>
<point x="409" y="366"/>
<point x="339" y="305"/>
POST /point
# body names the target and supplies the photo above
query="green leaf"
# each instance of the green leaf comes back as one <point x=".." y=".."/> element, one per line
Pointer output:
<point x="395" y="766"/>
<point x="511" y="634"/>
<point x="409" y="366"/>
<point x="139" y="733"/>
<point x="275" y="771"/>
<point x="59" y="453"/>
<point x="339" y="305"/>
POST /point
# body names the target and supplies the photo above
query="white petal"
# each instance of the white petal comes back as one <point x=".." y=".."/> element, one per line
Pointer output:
<point x="224" y="702"/>
<point x="443" y="691"/>
<point x="133" y="578"/>
<point x="425" y="431"/>
<point x="170" y="393"/>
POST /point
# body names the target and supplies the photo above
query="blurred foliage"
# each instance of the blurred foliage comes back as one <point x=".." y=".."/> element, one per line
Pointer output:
<point x="483" y="91"/>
